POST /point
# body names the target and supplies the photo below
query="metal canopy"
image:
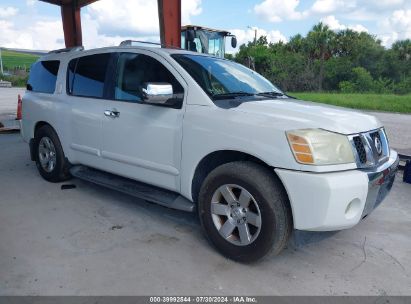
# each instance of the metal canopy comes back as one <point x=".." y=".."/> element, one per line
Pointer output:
<point x="169" y="13"/>
<point x="78" y="3"/>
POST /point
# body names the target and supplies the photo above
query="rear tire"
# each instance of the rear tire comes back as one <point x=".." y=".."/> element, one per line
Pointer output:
<point x="244" y="211"/>
<point x="49" y="155"/>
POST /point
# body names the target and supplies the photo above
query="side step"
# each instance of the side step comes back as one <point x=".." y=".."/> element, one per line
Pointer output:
<point x="143" y="191"/>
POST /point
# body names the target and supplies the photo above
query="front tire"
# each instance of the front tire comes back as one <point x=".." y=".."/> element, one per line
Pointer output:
<point x="244" y="211"/>
<point x="49" y="156"/>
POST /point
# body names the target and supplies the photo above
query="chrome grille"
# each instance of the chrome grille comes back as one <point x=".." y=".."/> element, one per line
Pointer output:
<point x="359" y="147"/>
<point x="370" y="148"/>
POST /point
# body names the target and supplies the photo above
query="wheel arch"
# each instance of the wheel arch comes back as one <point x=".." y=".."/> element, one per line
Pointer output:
<point x="40" y="124"/>
<point x="218" y="158"/>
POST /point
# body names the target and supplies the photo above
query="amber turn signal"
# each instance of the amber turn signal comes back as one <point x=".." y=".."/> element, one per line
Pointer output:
<point x="301" y="149"/>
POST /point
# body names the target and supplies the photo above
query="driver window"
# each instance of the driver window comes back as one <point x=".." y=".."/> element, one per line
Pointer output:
<point x="134" y="70"/>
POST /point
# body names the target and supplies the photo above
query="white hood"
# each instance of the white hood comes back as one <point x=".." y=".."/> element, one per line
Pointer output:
<point x="297" y="114"/>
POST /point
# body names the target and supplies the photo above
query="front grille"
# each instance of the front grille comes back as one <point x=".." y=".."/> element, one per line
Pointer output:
<point x="359" y="147"/>
<point x="367" y="152"/>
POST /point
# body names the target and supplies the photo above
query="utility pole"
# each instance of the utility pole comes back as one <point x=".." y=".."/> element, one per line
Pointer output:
<point x="255" y="33"/>
<point x="255" y="36"/>
<point x="1" y="63"/>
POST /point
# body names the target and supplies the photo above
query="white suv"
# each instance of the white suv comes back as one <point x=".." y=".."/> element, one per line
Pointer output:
<point x="192" y="131"/>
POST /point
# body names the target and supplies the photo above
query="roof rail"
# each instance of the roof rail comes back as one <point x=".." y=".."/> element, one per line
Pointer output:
<point x="71" y="49"/>
<point x="130" y="43"/>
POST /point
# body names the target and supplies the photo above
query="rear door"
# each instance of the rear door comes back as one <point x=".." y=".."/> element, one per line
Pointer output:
<point x="143" y="141"/>
<point x="86" y="78"/>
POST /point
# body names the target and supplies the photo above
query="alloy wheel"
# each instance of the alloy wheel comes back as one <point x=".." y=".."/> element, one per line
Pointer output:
<point x="236" y="214"/>
<point x="47" y="154"/>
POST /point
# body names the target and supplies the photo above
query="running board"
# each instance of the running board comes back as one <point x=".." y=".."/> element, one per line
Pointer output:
<point x="143" y="191"/>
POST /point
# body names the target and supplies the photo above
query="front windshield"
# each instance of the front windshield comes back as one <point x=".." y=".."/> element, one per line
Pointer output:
<point x="219" y="77"/>
<point x="211" y="42"/>
<point x="206" y="42"/>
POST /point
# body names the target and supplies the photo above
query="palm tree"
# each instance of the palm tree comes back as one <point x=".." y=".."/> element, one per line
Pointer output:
<point x="320" y="39"/>
<point x="296" y="43"/>
<point x="403" y="48"/>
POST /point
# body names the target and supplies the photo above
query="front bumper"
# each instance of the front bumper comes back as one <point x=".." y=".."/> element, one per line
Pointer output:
<point x="337" y="200"/>
<point x="380" y="183"/>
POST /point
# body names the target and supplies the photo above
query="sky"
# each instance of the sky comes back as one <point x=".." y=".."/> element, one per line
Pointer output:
<point x="32" y="24"/>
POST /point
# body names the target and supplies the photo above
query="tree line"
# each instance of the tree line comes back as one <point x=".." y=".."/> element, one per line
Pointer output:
<point x="345" y="61"/>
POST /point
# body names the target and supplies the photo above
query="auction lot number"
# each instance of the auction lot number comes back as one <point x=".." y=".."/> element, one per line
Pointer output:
<point x="202" y="299"/>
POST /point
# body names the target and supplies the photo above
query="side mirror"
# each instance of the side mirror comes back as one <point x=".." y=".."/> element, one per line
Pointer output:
<point x="190" y="35"/>
<point x="233" y="42"/>
<point x="157" y="93"/>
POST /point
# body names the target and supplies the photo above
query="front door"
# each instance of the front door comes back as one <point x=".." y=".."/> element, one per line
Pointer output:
<point x="143" y="141"/>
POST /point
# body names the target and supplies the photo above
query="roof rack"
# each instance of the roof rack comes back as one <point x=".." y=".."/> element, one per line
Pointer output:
<point x="66" y="50"/>
<point x="130" y="42"/>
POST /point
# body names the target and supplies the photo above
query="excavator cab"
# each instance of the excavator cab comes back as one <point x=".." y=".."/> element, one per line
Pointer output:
<point x="205" y="40"/>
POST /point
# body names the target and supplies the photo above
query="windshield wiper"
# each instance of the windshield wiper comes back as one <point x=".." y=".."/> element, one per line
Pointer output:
<point x="231" y="95"/>
<point x="270" y="94"/>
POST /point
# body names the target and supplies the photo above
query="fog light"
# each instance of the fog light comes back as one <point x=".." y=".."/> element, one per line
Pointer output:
<point x="353" y="208"/>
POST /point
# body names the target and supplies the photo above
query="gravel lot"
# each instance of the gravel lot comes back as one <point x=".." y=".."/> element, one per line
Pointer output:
<point x="94" y="241"/>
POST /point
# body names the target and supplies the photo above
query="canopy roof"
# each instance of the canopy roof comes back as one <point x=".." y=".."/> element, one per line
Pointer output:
<point x="75" y="3"/>
<point x="169" y="12"/>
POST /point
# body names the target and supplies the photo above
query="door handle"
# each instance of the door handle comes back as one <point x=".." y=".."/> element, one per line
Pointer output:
<point x="112" y="113"/>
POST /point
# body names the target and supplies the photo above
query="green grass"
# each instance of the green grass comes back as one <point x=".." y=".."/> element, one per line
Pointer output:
<point x="13" y="59"/>
<point x="372" y="102"/>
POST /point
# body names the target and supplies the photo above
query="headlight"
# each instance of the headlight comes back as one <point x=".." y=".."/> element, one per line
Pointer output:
<point x="320" y="147"/>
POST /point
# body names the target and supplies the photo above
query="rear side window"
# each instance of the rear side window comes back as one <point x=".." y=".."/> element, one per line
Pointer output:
<point x="86" y="75"/>
<point x="43" y="76"/>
